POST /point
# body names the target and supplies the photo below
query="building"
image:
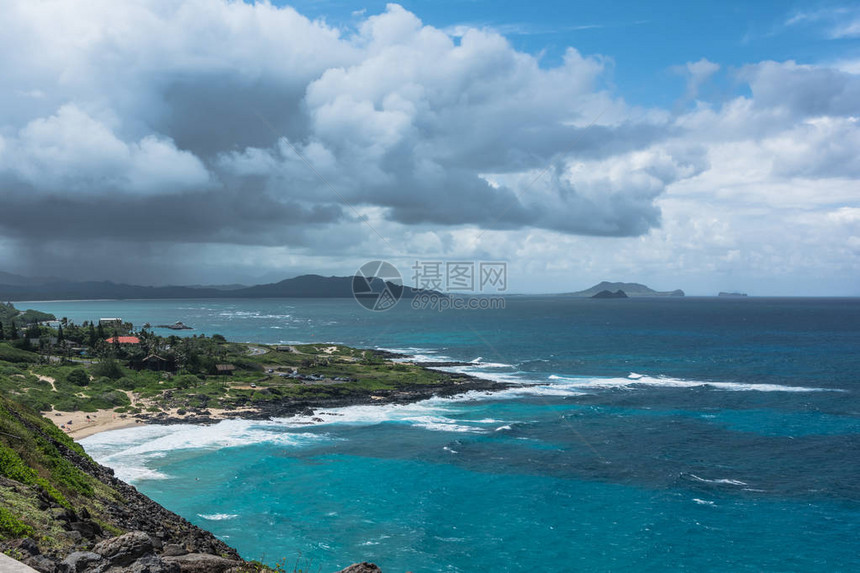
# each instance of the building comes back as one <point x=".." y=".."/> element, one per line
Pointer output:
<point x="156" y="363"/>
<point x="225" y="369"/>
<point x="123" y="340"/>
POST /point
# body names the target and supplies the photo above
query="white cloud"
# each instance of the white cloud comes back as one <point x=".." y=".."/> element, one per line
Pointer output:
<point x="193" y="115"/>
<point x="71" y="152"/>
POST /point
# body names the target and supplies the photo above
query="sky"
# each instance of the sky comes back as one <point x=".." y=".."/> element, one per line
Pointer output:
<point x="703" y="146"/>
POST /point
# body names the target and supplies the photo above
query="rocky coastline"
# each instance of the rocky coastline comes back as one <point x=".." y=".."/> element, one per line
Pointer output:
<point x="156" y="540"/>
<point x="289" y="407"/>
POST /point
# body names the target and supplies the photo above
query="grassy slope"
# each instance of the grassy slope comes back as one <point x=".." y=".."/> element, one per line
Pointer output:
<point x="39" y="481"/>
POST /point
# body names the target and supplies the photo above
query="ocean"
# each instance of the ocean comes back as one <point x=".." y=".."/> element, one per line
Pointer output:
<point x="691" y="434"/>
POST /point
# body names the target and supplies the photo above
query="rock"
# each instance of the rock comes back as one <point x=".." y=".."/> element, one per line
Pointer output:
<point x="149" y="563"/>
<point x="73" y="537"/>
<point x="174" y="550"/>
<point x="363" y="567"/>
<point x="41" y="564"/>
<point x="123" y="550"/>
<point x="203" y="563"/>
<point x="26" y="546"/>
<point x="88" y="529"/>
<point x="62" y="514"/>
<point x="80" y="561"/>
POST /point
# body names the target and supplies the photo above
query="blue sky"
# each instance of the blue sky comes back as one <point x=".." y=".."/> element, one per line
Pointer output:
<point x="703" y="146"/>
<point x="646" y="40"/>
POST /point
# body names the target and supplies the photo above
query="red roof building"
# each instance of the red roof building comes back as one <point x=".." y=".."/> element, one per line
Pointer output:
<point x="123" y="340"/>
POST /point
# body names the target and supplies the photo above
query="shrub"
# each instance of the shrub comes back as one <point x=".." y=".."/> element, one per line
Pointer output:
<point x="12" y="526"/>
<point x="109" y="368"/>
<point x="10" y="354"/>
<point x="78" y="377"/>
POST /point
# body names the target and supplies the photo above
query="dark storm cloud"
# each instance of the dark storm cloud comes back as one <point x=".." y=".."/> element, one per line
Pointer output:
<point x="241" y="215"/>
<point x="246" y="124"/>
<point x="174" y="131"/>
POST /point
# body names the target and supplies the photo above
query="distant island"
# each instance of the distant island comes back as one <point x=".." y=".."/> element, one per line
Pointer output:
<point x="610" y="294"/>
<point x="627" y="289"/>
<point x="732" y="294"/>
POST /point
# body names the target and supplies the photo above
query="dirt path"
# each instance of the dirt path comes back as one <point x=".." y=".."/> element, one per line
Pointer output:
<point x="47" y="379"/>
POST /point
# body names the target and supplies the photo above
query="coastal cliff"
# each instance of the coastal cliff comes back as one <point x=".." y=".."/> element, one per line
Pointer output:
<point x="61" y="512"/>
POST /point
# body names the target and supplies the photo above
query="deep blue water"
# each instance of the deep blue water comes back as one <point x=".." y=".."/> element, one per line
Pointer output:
<point x="652" y="435"/>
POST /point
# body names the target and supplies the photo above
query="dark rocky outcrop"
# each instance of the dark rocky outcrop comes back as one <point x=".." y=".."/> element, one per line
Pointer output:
<point x="364" y="567"/>
<point x="610" y="294"/>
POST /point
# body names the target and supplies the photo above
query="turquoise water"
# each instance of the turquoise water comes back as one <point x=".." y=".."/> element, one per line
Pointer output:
<point x="653" y="435"/>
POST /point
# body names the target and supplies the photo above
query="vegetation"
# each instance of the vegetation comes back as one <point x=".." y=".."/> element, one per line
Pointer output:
<point x="64" y="367"/>
<point x="37" y="474"/>
<point x="75" y="368"/>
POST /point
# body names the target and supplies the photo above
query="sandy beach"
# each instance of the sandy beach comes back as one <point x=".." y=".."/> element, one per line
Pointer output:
<point x="82" y="424"/>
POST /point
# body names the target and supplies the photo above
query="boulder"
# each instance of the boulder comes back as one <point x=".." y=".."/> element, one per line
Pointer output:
<point x="123" y="550"/>
<point x="174" y="550"/>
<point x="363" y="567"/>
<point x="203" y="563"/>
<point x="149" y="563"/>
<point x="80" y="561"/>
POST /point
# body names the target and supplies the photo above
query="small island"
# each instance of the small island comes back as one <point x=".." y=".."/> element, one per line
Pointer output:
<point x="732" y="294"/>
<point x="629" y="290"/>
<point x="178" y="325"/>
<point x="609" y="294"/>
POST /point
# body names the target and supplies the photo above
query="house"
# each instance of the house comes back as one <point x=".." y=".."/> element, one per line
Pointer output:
<point x="123" y="340"/>
<point x="110" y="322"/>
<point x="155" y="363"/>
<point x="225" y="369"/>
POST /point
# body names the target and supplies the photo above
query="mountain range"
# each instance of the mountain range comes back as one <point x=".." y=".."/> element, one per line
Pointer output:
<point x="16" y="287"/>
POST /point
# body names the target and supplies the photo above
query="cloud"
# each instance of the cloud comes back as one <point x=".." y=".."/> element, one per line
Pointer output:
<point x="80" y="155"/>
<point x="839" y="22"/>
<point x="697" y="74"/>
<point x="166" y="133"/>
<point x="206" y="102"/>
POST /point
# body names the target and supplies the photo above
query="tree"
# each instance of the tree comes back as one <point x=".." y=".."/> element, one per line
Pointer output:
<point x="78" y="377"/>
<point x="91" y="335"/>
<point x="13" y="332"/>
<point x="60" y="338"/>
<point x="109" y="368"/>
<point x="2" y="334"/>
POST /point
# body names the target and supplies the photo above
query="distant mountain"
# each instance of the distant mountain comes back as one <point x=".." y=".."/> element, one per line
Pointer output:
<point x="18" y="280"/>
<point x="306" y="286"/>
<point x="630" y="289"/>
<point x="234" y="286"/>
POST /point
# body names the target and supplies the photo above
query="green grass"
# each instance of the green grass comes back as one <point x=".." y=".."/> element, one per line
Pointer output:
<point x="11" y="527"/>
<point x="11" y="354"/>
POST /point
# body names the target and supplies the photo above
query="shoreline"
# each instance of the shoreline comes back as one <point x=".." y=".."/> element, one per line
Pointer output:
<point x="86" y="424"/>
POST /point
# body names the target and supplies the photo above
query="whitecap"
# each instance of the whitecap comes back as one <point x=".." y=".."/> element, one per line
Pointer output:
<point x="666" y="382"/>
<point x="218" y="516"/>
<point x="721" y="481"/>
<point x="132" y="451"/>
